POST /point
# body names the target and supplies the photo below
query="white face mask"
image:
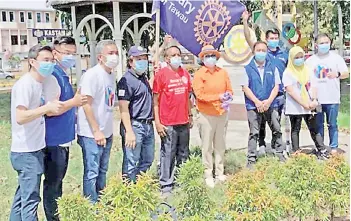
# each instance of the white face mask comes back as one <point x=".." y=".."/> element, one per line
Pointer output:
<point x="112" y="61"/>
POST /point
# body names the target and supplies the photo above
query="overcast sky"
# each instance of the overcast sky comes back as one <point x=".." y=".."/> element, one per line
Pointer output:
<point x="23" y="4"/>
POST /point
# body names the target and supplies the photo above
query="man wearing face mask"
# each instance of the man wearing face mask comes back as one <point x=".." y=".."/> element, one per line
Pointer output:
<point x="210" y="84"/>
<point x="60" y="128"/>
<point x="173" y="118"/>
<point x="261" y="85"/>
<point x="328" y="67"/>
<point x="135" y="104"/>
<point x="95" y="119"/>
<point x="279" y="59"/>
<point x="29" y="104"/>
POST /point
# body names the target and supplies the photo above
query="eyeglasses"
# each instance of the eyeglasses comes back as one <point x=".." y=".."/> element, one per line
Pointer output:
<point x="66" y="53"/>
<point x="210" y="56"/>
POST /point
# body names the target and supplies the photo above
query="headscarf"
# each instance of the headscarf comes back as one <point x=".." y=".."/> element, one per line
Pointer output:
<point x="301" y="73"/>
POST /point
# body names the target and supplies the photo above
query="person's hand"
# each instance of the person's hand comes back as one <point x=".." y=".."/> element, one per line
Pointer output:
<point x="306" y="106"/>
<point x="80" y="100"/>
<point x="259" y="106"/>
<point x="161" y="130"/>
<point x="245" y="15"/>
<point x="313" y="104"/>
<point x="332" y="75"/>
<point x="99" y="138"/>
<point x="168" y="38"/>
<point x="54" y="106"/>
<point x="191" y="121"/>
<point x="266" y="104"/>
<point x="130" y="139"/>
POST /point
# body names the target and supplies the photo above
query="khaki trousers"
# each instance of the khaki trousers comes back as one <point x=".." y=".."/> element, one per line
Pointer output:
<point x="213" y="132"/>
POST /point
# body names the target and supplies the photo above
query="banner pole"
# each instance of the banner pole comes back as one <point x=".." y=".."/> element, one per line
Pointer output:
<point x="157" y="43"/>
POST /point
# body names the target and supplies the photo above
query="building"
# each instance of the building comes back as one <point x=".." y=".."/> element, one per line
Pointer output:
<point x="23" y="23"/>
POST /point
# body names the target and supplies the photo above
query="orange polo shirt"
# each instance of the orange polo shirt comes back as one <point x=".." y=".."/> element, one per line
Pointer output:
<point x="208" y="87"/>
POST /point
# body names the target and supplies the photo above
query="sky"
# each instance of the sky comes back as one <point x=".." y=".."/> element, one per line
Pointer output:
<point x="23" y="4"/>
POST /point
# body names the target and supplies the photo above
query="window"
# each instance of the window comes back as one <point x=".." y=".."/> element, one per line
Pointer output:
<point x="14" y="40"/>
<point x="29" y="15"/>
<point x="47" y="17"/>
<point x="3" y="16"/>
<point x="23" y="39"/>
<point x="38" y="17"/>
<point x="12" y="16"/>
<point x="21" y="15"/>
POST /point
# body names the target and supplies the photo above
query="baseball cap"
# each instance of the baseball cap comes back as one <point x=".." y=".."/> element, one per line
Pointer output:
<point x="137" y="51"/>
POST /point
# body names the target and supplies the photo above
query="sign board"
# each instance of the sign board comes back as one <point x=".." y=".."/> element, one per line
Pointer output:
<point x="48" y="32"/>
<point x="260" y="18"/>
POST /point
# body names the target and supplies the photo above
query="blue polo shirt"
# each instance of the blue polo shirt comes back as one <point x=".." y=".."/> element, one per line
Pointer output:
<point x="136" y="89"/>
<point x="279" y="59"/>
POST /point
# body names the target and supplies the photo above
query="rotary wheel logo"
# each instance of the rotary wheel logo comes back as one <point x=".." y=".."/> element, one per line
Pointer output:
<point x="212" y="20"/>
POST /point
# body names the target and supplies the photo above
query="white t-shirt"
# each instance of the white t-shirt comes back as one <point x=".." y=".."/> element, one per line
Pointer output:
<point x="293" y="107"/>
<point x="328" y="89"/>
<point x="29" y="93"/>
<point x="101" y="86"/>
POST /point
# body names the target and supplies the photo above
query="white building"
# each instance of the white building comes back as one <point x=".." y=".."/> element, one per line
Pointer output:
<point x="25" y="22"/>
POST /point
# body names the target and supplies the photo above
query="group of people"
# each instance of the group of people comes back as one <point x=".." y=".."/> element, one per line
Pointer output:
<point x="44" y="107"/>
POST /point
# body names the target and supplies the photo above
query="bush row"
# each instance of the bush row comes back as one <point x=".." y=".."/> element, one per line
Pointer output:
<point x="303" y="188"/>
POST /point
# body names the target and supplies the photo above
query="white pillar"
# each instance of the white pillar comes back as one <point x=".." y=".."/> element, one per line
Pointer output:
<point x="76" y="36"/>
<point x="93" y="58"/>
<point x="119" y="37"/>
<point x="19" y="41"/>
<point x="1" y="49"/>
<point x="137" y="40"/>
<point x="144" y="6"/>
<point x="10" y="45"/>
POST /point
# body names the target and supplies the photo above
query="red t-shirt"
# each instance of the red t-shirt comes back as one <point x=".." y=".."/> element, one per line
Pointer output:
<point x="173" y="89"/>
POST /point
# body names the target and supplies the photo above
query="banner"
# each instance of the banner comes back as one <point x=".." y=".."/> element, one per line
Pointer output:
<point x="197" y="23"/>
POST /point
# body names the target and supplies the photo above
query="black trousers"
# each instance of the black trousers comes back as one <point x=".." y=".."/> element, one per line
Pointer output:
<point x="311" y="122"/>
<point x="255" y="119"/>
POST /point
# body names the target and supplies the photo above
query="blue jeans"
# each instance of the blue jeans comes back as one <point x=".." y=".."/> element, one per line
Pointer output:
<point x="331" y="111"/>
<point x="29" y="167"/>
<point x="56" y="163"/>
<point x="95" y="161"/>
<point x="140" y="158"/>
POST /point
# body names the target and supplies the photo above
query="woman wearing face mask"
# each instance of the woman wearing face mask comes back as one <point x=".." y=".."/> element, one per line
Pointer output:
<point x="210" y="84"/>
<point x="135" y="105"/>
<point x="28" y="107"/>
<point x="301" y="88"/>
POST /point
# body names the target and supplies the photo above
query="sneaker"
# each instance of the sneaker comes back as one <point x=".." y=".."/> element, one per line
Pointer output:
<point x="281" y="157"/>
<point x="261" y="151"/>
<point x="210" y="182"/>
<point x="250" y="165"/>
<point x="334" y="151"/>
<point x="323" y="155"/>
<point x="221" y="178"/>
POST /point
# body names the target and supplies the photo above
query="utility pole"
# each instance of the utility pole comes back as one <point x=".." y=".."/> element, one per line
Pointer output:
<point x="315" y="15"/>
<point x="341" y="47"/>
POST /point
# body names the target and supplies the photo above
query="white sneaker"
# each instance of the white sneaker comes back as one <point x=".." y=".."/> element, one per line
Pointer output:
<point x="334" y="151"/>
<point x="210" y="182"/>
<point x="221" y="178"/>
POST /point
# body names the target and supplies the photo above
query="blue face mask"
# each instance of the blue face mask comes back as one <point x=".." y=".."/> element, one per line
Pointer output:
<point x="68" y="61"/>
<point x="176" y="62"/>
<point x="46" y="68"/>
<point x="210" y="62"/>
<point x="299" y="61"/>
<point x="272" y="43"/>
<point x="323" y="48"/>
<point x="141" y="66"/>
<point x="260" y="56"/>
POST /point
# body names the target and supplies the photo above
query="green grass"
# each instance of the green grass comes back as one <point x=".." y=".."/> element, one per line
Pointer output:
<point x="344" y="112"/>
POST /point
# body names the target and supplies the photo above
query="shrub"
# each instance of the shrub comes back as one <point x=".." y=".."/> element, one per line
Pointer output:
<point x="129" y="201"/>
<point x="300" y="179"/>
<point x="336" y="185"/>
<point x="194" y="201"/>
<point x="75" y="207"/>
<point x="250" y="197"/>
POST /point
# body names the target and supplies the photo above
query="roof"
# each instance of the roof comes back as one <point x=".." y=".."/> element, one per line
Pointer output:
<point x="67" y="3"/>
<point x="25" y="5"/>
